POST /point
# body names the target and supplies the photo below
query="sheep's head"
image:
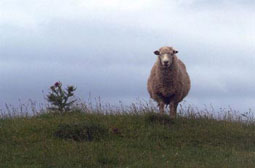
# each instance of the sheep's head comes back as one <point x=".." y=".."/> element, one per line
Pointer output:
<point x="166" y="56"/>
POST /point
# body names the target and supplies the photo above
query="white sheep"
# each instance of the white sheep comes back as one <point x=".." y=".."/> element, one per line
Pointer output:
<point x="169" y="81"/>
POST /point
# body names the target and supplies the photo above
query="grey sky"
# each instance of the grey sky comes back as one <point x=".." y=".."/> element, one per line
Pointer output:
<point x="106" y="47"/>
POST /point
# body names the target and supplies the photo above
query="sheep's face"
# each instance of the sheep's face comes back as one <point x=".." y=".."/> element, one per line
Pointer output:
<point x="166" y="56"/>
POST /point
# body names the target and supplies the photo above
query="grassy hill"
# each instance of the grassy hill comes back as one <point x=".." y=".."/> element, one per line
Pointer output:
<point x="79" y="139"/>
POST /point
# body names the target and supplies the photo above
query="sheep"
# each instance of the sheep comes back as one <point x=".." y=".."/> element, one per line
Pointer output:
<point x="169" y="81"/>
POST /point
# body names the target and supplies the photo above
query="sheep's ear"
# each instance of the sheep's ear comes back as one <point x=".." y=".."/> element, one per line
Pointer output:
<point x="175" y="51"/>
<point x="156" y="52"/>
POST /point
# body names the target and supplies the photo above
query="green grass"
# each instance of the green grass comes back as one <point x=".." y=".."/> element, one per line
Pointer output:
<point x="125" y="140"/>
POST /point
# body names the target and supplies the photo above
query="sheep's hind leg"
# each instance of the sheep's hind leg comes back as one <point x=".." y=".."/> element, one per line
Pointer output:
<point x="173" y="108"/>
<point x="161" y="107"/>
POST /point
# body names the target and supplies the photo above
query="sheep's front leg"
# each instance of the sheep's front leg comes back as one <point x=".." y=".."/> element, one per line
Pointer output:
<point x="161" y="107"/>
<point x="173" y="108"/>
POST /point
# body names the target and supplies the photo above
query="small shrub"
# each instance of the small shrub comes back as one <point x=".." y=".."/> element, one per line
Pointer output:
<point x="87" y="131"/>
<point x="60" y="98"/>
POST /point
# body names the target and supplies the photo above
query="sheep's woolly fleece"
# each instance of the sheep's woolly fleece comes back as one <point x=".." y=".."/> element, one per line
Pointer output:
<point x="168" y="86"/>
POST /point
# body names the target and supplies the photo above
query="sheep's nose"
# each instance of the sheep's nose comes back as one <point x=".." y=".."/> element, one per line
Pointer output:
<point x="165" y="62"/>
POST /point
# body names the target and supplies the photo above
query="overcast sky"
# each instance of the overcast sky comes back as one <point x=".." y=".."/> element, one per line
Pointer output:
<point x="105" y="48"/>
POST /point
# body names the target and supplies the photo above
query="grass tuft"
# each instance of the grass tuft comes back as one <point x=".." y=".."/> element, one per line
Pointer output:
<point x="155" y="118"/>
<point x="85" y="131"/>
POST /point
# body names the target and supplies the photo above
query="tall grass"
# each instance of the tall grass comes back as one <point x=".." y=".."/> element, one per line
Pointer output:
<point x="94" y="134"/>
<point x="96" y="105"/>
